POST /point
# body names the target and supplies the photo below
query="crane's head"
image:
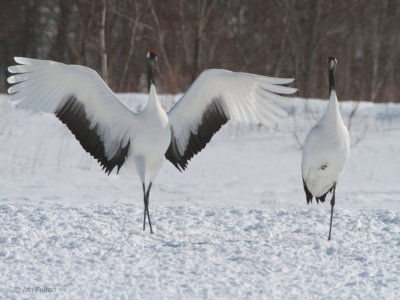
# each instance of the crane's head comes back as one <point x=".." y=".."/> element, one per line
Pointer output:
<point x="332" y="61"/>
<point x="151" y="57"/>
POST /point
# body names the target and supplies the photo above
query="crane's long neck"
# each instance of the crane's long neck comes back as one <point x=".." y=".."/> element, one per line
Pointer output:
<point x="332" y="113"/>
<point x="150" y="79"/>
<point x="153" y="103"/>
<point x="331" y="80"/>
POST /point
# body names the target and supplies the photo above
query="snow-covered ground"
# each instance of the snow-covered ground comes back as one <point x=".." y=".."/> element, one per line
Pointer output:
<point x="235" y="225"/>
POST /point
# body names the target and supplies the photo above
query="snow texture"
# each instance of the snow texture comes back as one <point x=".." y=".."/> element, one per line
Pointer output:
<point x="235" y="225"/>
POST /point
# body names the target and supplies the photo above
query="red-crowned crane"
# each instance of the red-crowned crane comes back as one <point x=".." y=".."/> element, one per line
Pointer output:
<point x="326" y="150"/>
<point x="117" y="136"/>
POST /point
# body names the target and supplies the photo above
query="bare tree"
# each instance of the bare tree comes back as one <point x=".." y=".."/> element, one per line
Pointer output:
<point x="103" y="50"/>
<point x="279" y="38"/>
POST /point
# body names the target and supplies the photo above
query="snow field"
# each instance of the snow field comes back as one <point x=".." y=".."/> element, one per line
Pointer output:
<point x="99" y="251"/>
<point x="234" y="225"/>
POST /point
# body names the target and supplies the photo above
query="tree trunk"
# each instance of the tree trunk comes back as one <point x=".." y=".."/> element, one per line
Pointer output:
<point x="103" y="50"/>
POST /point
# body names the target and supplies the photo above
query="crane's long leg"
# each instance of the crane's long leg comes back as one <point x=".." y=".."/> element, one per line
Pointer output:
<point x="147" y="206"/>
<point x="144" y="202"/>
<point x="332" y="205"/>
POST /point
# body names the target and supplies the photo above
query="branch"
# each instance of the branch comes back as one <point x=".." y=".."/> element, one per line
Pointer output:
<point x="104" y="70"/>
<point x="160" y="37"/>
<point x="131" y="46"/>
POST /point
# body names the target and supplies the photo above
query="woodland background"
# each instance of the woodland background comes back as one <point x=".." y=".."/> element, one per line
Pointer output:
<point x="282" y="38"/>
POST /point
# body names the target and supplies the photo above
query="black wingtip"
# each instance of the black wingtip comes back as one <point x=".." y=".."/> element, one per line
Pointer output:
<point x="322" y="198"/>
<point x="309" y="196"/>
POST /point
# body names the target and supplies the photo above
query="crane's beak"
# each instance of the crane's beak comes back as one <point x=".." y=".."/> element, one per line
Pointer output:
<point x="332" y="63"/>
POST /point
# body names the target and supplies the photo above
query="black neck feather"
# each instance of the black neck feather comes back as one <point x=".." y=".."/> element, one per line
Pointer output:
<point x="331" y="80"/>
<point x="150" y="79"/>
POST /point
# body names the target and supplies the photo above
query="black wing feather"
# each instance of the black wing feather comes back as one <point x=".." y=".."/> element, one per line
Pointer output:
<point x="72" y="114"/>
<point x="213" y="118"/>
<point x="309" y="196"/>
<point x="322" y="198"/>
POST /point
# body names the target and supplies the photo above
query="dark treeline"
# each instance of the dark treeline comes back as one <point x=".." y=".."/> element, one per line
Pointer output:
<point x="282" y="38"/>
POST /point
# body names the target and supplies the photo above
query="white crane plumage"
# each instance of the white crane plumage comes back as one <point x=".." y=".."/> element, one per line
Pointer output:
<point x="116" y="136"/>
<point x="326" y="150"/>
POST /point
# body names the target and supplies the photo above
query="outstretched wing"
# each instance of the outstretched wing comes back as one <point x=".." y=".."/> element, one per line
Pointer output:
<point x="216" y="97"/>
<point x="81" y="100"/>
